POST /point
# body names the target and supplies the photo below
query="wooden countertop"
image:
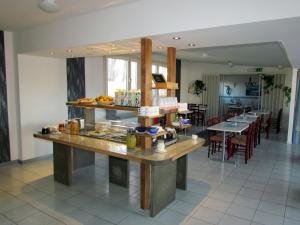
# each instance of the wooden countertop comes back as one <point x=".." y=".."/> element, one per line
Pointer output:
<point x="175" y="151"/>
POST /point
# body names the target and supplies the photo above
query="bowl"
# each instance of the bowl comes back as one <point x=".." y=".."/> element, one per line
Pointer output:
<point x="185" y="121"/>
<point x="141" y="129"/>
<point x="152" y="130"/>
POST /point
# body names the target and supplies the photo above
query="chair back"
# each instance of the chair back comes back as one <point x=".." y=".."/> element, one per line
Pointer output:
<point x="250" y="134"/>
<point x="192" y="106"/>
<point x="213" y="121"/>
<point x="258" y="125"/>
<point x="228" y="115"/>
<point x="268" y="121"/>
<point x="279" y="115"/>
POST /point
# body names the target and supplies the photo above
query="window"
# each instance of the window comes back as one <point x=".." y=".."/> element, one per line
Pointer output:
<point x="164" y="71"/>
<point x="133" y="74"/>
<point x="161" y="70"/>
<point x="121" y="74"/>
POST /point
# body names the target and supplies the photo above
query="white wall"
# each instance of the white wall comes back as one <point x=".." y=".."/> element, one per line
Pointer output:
<point x="194" y="70"/>
<point x="95" y="81"/>
<point x="12" y="94"/>
<point x="43" y="93"/>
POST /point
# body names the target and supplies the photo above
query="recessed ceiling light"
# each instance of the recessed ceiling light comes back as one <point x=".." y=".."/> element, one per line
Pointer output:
<point x="51" y="53"/>
<point x="69" y="50"/>
<point x="176" y="38"/>
<point x="192" y="45"/>
<point x="49" y="6"/>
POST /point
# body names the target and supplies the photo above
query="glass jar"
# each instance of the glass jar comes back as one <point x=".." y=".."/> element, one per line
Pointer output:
<point x="131" y="139"/>
<point x="74" y="127"/>
<point x="161" y="146"/>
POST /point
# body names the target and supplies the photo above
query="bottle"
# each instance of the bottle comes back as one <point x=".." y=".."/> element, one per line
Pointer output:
<point x="131" y="138"/>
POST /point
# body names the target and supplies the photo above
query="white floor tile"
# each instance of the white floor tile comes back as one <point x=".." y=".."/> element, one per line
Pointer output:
<point x="241" y="211"/>
<point x="209" y="215"/>
<point x="232" y="220"/>
<point x="272" y="208"/>
<point x="267" y="218"/>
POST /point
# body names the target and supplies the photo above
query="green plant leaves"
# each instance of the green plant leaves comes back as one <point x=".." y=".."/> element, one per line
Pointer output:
<point x="269" y="85"/>
<point x="196" y="87"/>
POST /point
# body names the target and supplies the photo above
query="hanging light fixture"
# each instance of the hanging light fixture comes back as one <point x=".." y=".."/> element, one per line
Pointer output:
<point x="49" y="6"/>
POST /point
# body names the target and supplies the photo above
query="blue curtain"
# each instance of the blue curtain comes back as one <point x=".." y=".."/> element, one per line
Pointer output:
<point x="4" y="129"/>
<point x="76" y="84"/>
<point x="178" y="77"/>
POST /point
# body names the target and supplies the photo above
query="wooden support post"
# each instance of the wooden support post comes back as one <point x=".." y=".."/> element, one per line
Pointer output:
<point x="145" y="188"/>
<point x="171" y="77"/>
<point x="146" y="84"/>
<point x="146" y="100"/>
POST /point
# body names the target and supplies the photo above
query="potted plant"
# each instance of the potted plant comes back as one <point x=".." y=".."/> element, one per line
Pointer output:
<point x="269" y="85"/>
<point x="196" y="87"/>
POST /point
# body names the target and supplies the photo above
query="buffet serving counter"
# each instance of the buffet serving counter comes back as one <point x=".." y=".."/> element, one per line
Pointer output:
<point x="167" y="171"/>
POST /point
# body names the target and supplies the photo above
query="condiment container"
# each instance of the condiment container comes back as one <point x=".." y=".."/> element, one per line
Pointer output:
<point x="61" y="127"/>
<point x="131" y="138"/>
<point x="74" y="127"/>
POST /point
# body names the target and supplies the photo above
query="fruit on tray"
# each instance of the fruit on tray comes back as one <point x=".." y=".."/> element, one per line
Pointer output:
<point x="86" y="100"/>
<point x="104" y="99"/>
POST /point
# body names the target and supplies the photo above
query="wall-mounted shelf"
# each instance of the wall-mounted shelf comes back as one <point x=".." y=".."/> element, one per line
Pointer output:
<point x="166" y="85"/>
<point x="97" y="106"/>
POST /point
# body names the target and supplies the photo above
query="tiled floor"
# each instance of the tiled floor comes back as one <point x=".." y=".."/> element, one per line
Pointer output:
<point x="265" y="191"/>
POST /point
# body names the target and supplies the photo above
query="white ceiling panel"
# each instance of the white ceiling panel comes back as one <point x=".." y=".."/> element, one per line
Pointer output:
<point x="20" y="14"/>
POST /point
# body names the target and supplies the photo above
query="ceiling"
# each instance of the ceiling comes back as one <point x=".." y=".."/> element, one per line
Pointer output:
<point x="125" y="47"/>
<point x="270" y="54"/>
<point x="244" y="44"/>
<point x="21" y="14"/>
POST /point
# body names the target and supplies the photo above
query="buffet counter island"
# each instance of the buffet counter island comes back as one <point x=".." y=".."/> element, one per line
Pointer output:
<point x="168" y="170"/>
<point x="163" y="167"/>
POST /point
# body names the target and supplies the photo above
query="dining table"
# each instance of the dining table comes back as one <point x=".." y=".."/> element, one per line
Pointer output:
<point x="260" y="112"/>
<point x="228" y="127"/>
<point x="243" y="119"/>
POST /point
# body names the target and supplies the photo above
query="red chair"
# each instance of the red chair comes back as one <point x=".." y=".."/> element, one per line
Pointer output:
<point x="215" y="140"/>
<point x="267" y="125"/>
<point x="242" y="144"/>
<point x="198" y="117"/>
<point x="257" y="132"/>
<point x="228" y="115"/>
